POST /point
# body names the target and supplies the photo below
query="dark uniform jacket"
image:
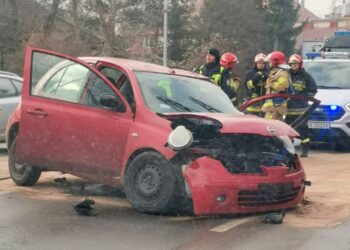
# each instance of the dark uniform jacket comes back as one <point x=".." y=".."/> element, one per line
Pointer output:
<point x="227" y="84"/>
<point x="211" y="70"/>
<point x="304" y="85"/>
<point x="255" y="82"/>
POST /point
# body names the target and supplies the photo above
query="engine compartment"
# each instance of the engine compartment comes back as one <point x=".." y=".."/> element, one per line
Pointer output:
<point x="239" y="153"/>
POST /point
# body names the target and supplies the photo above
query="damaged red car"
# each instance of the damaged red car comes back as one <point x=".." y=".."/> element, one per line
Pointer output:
<point x="170" y="138"/>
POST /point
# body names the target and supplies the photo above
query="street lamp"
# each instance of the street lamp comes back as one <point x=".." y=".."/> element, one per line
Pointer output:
<point x="165" y="34"/>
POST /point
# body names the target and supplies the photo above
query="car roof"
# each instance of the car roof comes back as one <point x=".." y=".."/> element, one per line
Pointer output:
<point x="327" y="60"/>
<point x="134" y="65"/>
<point x="10" y="75"/>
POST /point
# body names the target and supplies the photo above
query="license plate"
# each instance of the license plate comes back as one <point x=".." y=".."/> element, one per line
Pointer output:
<point x="319" y="125"/>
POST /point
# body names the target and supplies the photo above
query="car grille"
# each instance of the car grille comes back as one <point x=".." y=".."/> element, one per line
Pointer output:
<point x="273" y="195"/>
<point x="325" y="113"/>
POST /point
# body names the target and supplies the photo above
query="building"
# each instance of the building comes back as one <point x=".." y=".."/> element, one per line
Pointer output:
<point x="316" y="31"/>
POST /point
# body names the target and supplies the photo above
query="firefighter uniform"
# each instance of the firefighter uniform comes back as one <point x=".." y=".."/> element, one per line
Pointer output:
<point x="255" y="81"/>
<point x="229" y="84"/>
<point x="278" y="82"/>
<point x="212" y="68"/>
<point x="213" y="71"/>
<point x="304" y="85"/>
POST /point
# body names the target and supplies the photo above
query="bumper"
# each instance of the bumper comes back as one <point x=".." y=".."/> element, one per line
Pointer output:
<point x="339" y="131"/>
<point x="209" y="182"/>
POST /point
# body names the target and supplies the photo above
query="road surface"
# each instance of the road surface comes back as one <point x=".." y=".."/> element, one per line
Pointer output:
<point x="42" y="217"/>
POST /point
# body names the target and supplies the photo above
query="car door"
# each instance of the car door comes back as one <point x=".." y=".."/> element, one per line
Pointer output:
<point x="63" y="125"/>
<point x="9" y="98"/>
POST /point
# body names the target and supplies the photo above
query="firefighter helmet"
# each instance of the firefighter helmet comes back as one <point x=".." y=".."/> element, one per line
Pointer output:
<point x="260" y="58"/>
<point x="295" y="58"/>
<point x="228" y="60"/>
<point x="276" y="58"/>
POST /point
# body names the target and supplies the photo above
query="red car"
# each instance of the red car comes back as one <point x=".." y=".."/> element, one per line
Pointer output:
<point x="169" y="137"/>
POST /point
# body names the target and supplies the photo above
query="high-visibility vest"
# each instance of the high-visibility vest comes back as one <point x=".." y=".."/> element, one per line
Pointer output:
<point x="214" y="77"/>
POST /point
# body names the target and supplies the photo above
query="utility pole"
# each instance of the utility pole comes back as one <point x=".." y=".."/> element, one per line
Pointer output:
<point x="275" y="43"/>
<point x="165" y="31"/>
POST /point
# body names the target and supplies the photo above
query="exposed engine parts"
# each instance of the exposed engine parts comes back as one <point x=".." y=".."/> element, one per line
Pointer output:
<point x="246" y="153"/>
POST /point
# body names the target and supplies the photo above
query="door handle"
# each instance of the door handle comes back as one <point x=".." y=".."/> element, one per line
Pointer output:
<point x="37" y="112"/>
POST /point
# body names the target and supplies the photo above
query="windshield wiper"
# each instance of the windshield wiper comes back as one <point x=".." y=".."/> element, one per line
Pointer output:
<point x="175" y="104"/>
<point x="327" y="87"/>
<point x="204" y="105"/>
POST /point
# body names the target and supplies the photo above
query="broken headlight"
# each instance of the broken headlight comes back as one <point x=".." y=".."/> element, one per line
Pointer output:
<point x="288" y="144"/>
<point x="180" y="138"/>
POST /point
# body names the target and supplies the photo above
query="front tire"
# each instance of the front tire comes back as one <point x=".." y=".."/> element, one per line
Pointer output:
<point x="151" y="184"/>
<point x="21" y="174"/>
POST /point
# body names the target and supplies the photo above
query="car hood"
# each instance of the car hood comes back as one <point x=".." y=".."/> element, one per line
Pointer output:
<point x="339" y="97"/>
<point x="239" y="124"/>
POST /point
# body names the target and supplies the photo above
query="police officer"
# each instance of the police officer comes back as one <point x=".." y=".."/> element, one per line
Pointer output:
<point x="278" y="82"/>
<point x="255" y="81"/>
<point x="212" y="67"/>
<point x="229" y="83"/>
<point x="304" y="85"/>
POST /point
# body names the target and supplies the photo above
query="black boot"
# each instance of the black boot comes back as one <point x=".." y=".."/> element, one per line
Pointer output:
<point x="305" y="149"/>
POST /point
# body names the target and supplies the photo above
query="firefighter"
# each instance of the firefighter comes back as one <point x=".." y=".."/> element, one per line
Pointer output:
<point x="304" y="85"/>
<point x="228" y="83"/>
<point x="212" y="67"/>
<point x="255" y="81"/>
<point x="278" y="82"/>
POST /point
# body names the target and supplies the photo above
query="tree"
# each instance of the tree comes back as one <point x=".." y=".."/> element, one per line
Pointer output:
<point x="282" y="12"/>
<point x="236" y="26"/>
<point x="8" y="29"/>
<point x="180" y="30"/>
<point x="248" y="27"/>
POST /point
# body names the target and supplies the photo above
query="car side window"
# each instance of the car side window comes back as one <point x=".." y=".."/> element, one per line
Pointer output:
<point x="58" y="78"/>
<point x="68" y="84"/>
<point x="18" y="85"/>
<point x="97" y="89"/>
<point x="7" y="89"/>
<point x="121" y="81"/>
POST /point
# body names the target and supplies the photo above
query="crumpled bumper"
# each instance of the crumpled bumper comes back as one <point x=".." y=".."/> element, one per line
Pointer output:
<point x="216" y="191"/>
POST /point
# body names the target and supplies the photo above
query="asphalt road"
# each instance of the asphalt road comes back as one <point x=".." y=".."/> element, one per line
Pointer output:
<point x="42" y="217"/>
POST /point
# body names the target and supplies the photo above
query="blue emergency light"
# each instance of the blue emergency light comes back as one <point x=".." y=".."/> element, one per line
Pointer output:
<point x="337" y="55"/>
<point x="333" y="107"/>
<point x="312" y="55"/>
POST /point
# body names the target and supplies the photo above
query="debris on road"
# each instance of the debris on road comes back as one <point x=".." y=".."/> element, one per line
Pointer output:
<point x="5" y="178"/>
<point x="273" y="218"/>
<point x="84" y="207"/>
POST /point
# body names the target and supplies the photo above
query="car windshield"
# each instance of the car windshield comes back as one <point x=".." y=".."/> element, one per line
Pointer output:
<point x="171" y="94"/>
<point x="330" y="75"/>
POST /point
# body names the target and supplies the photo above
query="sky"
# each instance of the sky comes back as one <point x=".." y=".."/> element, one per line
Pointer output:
<point x="318" y="7"/>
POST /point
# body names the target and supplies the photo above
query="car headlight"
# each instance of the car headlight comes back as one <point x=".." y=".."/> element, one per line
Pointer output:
<point x="288" y="144"/>
<point x="347" y="106"/>
<point x="180" y="138"/>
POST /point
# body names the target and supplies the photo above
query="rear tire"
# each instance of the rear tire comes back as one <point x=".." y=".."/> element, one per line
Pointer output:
<point x="22" y="175"/>
<point x="151" y="184"/>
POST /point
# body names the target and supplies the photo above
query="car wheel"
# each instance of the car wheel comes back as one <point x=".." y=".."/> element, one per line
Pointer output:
<point x="150" y="183"/>
<point x="22" y="174"/>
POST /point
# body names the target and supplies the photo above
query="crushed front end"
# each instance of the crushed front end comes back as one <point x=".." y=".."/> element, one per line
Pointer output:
<point x="229" y="173"/>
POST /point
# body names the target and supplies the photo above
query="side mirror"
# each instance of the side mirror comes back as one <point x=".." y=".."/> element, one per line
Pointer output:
<point x="112" y="102"/>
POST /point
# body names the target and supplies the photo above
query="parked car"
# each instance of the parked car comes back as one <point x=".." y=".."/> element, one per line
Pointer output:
<point x="10" y="90"/>
<point x="169" y="137"/>
<point x="330" y="122"/>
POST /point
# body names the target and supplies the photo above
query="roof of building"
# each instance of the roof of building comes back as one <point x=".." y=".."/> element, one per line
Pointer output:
<point x="315" y="34"/>
<point x="305" y="15"/>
